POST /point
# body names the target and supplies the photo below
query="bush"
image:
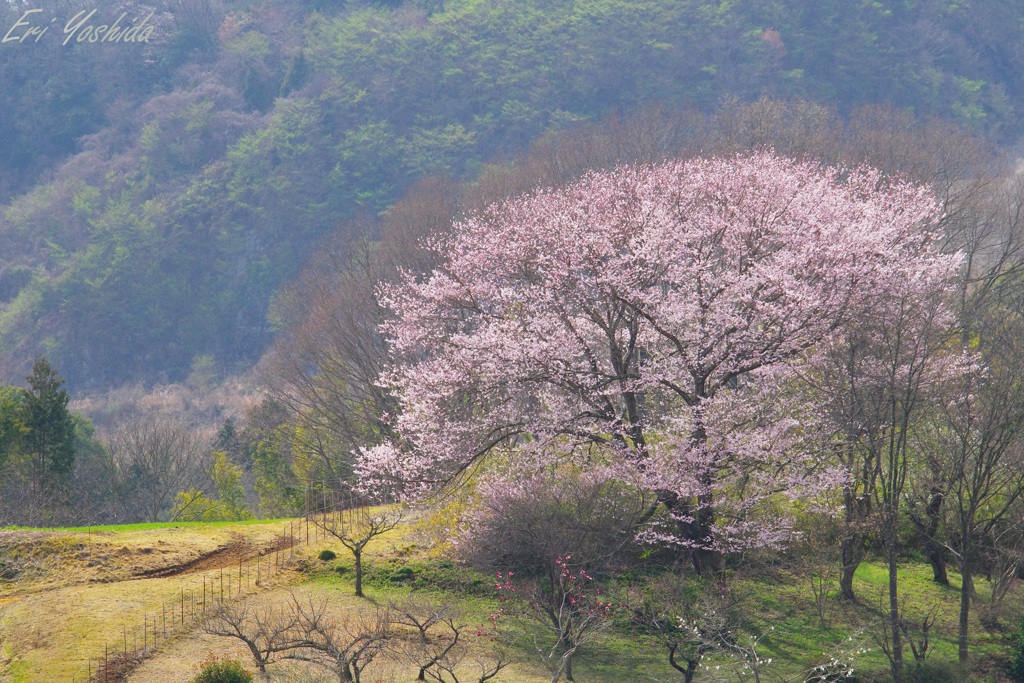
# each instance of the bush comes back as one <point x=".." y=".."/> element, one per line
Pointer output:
<point x="1017" y="654"/>
<point x="225" y="671"/>
<point x="403" y="574"/>
<point x="327" y="555"/>
<point x="934" y="671"/>
<point x="525" y="526"/>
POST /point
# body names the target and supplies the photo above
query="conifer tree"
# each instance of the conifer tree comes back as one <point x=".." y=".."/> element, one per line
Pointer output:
<point x="49" y="444"/>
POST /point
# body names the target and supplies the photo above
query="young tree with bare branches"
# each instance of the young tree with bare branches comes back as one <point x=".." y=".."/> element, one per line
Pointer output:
<point x="268" y="631"/>
<point x="356" y="527"/>
<point x="344" y="645"/>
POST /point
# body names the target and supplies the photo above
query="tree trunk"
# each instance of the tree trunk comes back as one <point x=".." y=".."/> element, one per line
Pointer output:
<point x="705" y="559"/>
<point x="967" y="588"/>
<point x="928" y="528"/>
<point x="851" y="554"/>
<point x="857" y="511"/>
<point x="937" y="559"/>
<point x="966" y="592"/>
<point x="566" y="660"/>
<point x="359" y="573"/>
<point x="558" y="672"/>
<point x="894" y="605"/>
<point x="701" y="531"/>
<point x="691" y="664"/>
<point x="698" y="532"/>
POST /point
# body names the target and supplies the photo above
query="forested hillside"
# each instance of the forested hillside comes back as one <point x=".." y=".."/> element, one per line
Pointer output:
<point x="156" y="196"/>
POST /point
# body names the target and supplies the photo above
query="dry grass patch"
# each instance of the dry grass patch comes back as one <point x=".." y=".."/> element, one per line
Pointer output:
<point x="79" y="592"/>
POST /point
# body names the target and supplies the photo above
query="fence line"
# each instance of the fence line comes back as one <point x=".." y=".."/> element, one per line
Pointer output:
<point x="120" y="661"/>
<point x="121" y="657"/>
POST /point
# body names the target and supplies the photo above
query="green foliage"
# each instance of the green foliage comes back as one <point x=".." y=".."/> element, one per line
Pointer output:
<point x="439" y="576"/>
<point x="149" y="526"/>
<point x="195" y="506"/>
<point x="204" y="373"/>
<point x="403" y="574"/>
<point x="223" y="671"/>
<point x="1016" y="668"/>
<point x="276" y="485"/>
<point x="227" y="480"/>
<point x="934" y="670"/>
<point x="165" y="240"/>
<point x="12" y="429"/>
<point x="229" y="505"/>
<point x="49" y="443"/>
<point x="327" y="555"/>
<point x="65" y="91"/>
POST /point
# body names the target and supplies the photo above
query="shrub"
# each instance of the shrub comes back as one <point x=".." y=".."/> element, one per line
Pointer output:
<point x="1017" y="654"/>
<point x="402" y="574"/>
<point x="225" y="671"/>
<point x="328" y="555"/>
<point x="526" y="523"/>
<point x="934" y="671"/>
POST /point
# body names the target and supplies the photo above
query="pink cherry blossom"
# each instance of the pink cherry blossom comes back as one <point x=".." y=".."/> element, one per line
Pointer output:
<point x="653" y="315"/>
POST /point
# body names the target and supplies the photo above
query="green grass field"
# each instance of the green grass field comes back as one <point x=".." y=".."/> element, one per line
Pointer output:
<point x="145" y="526"/>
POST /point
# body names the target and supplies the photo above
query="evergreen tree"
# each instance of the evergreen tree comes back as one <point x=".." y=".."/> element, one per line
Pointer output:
<point x="49" y="445"/>
<point x="11" y="427"/>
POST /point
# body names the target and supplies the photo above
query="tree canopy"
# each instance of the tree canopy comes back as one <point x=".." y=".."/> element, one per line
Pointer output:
<point x="652" y="317"/>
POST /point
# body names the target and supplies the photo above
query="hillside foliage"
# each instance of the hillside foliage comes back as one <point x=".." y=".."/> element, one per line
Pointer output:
<point x="180" y="184"/>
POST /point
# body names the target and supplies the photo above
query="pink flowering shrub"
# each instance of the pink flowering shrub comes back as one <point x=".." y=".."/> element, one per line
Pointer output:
<point x="568" y="608"/>
<point x="526" y="523"/>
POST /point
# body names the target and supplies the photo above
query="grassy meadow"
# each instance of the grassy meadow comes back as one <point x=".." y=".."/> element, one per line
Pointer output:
<point x="70" y="594"/>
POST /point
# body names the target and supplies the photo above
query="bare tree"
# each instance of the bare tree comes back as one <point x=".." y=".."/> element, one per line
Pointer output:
<point x="983" y="448"/>
<point x="670" y="612"/>
<point x="267" y="631"/>
<point x="454" y="659"/>
<point x="878" y="382"/>
<point x="420" y="613"/>
<point x="974" y="449"/>
<point x="443" y="643"/>
<point x="305" y="629"/>
<point x="561" y="616"/>
<point x="439" y="651"/>
<point x="916" y="634"/>
<point x="356" y="527"/>
<point x="696" y="620"/>
<point x="526" y="528"/>
<point x="153" y="459"/>
<point x="1003" y="553"/>
<point x="345" y="646"/>
<point x="326" y="362"/>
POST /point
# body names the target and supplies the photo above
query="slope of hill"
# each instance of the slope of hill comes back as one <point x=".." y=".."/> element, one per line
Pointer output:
<point x="180" y="184"/>
<point x="67" y="597"/>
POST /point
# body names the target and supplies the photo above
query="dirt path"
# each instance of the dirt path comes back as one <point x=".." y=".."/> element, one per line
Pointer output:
<point x="79" y="597"/>
<point x="239" y="549"/>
